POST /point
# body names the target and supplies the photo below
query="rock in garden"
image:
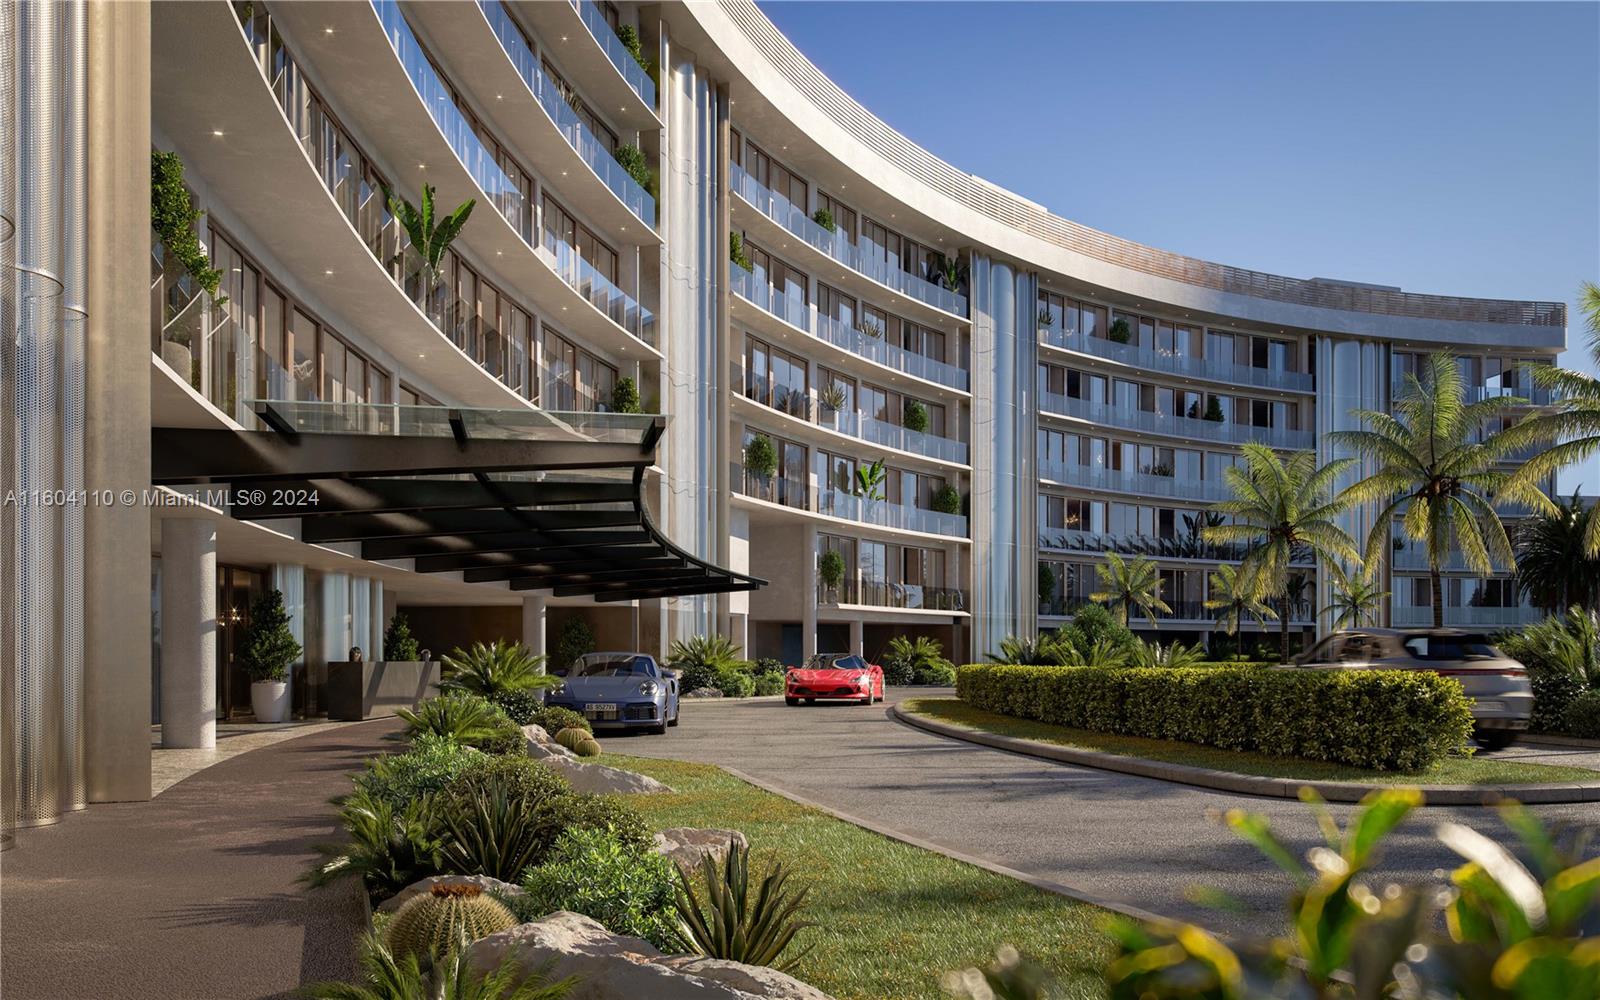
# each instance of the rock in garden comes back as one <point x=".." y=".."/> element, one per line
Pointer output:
<point x="484" y="882"/>
<point x="687" y="845"/>
<point x="542" y="744"/>
<point x="704" y="693"/>
<point x="602" y="780"/>
<point x="613" y="967"/>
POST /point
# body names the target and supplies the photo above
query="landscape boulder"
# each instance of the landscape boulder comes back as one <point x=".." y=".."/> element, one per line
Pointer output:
<point x="602" y="780"/>
<point x="541" y="744"/>
<point x="687" y="845"/>
<point x="613" y="967"/>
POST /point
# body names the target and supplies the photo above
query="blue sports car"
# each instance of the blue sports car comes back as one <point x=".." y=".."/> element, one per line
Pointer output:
<point x="629" y="690"/>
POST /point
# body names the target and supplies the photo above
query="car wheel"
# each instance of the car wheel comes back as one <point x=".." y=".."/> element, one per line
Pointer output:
<point x="674" y="720"/>
<point x="791" y="701"/>
<point x="1495" y="739"/>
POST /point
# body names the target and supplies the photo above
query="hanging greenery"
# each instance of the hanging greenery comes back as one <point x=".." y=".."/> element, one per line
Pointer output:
<point x="633" y="161"/>
<point x="174" y="219"/>
<point x="630" y="41"/>
<point x="736" y="252"/>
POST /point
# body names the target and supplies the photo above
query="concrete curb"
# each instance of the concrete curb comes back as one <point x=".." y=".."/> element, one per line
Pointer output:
<point x="1551" y="740"/>
<point x="1048" y="885"/>
<point x="1244" y="784"/>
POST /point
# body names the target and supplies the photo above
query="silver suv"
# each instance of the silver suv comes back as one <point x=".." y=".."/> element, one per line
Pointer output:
<point x="1498" y="685"/>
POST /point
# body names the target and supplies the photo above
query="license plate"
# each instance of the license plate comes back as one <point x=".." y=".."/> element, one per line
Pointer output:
<point x="599" y="710"/>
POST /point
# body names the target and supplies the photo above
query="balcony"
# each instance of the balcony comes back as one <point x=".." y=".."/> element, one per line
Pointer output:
<point x="1406" y="616"/>
<point x="573" y="131"/>
<point x="593" y="58"/>
<point x="1302" y="612"/>
<point x="803" y="316"/>
<point x="1149" y="359"/>
<point x="1188" y="545"/>
<point x="600" y="30"/>
<point x="800" y="494"/>
<point x="869" y="262"/>
<point x="1125" y="418"/>
<point x="1089" y="477"/>
<point x="1531" y="395"/>
<point x="598" y="290"/>
<point x="883" y="594"/>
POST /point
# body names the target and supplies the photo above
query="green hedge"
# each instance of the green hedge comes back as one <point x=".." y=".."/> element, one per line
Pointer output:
<point x="1390" y="720"/>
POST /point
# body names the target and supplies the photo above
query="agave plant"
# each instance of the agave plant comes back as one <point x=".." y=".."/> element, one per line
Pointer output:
<point x="493" y="832"/>
<point x="832" y="396"/>
<point x="495" y="669"/>
<point x="1038" y="651"/>
<point x="457" y="715"/>
<point x="446" y="977"/>
<point x="734" y="925"/>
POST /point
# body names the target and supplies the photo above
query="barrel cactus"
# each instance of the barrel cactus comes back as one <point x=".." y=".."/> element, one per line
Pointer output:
<point x="587" y="747"/>
<point x="571" y="737"/>
<point x="432" y="922"/>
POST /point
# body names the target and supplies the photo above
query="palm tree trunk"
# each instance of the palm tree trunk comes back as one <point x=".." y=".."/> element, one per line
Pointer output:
<point x="1438" y="597"/>
<point x="1283" y="632"/>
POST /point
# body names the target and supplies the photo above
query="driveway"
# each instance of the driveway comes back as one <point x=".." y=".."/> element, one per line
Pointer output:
<point x="1136" y="841"/>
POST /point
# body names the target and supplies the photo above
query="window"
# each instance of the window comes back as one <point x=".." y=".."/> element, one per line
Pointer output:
<point x="560" y="228"/>
<point x="785" y="279"/>
<point x="572" y="379"/>
<point x="777" y="178"/>
<point x="844" y="217"/>
<point x="598" y="128"/>
<point x="775" y="377"/>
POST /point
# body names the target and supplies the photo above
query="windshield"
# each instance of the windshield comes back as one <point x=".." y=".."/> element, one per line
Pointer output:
<point x="611" y="665"/>
<point x="1452" y="647"/>
<point x="833" y="661"/>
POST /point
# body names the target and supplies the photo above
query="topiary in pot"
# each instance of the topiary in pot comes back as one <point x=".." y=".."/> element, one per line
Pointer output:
<point x="431" y="923"/>
<point x="398" y="642"/>
<point x="1119" y="332"/>
<point x="269" y="647"/>
<point x="587" y="747"/>
<point x="824" y="218"/>
<point x="947" y="500"/>
<point x="831" y="568"/>
<point x="572" y="736"/>
<point x="916" y="416"/>
<point x="760" y="457"/>
<point x="625" y="396"/>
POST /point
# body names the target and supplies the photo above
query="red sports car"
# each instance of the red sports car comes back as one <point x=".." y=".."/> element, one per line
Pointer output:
<point x="841" y="676"/>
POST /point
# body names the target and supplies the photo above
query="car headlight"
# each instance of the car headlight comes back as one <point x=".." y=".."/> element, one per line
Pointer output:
<point x="649" y="689"/>
<point x="864" y="680"/>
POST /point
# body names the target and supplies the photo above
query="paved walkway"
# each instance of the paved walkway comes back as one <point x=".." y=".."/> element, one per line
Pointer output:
<point x="170" y="766"/>
<point x="191" y="896"/>
<point x="1135" y="841"/>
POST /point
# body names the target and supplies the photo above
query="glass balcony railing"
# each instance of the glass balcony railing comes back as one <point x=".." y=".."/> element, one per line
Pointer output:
<point x="572" y="128"/>
<point x="1181" y="611"/>
<point x="1533" y="395"/>
<point x="1128" y="418"/>
<point x="618" y="53"/>
<point x="869" y="261"/>
<point x="477" y="158"/>
<point x="1178" y="488"/>
<point x="886" y="594"/>
<point x="800" y="314"/>
<point x="1406" y="615"/>
<point x="802" y="495"/>
<point x="1150" y="359"/>
<point x="599" y="290"/>
<point x="1187" y="545"/>
<point x="481" y="423"/>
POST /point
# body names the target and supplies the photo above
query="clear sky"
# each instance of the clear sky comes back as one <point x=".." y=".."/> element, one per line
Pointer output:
<point x="1451" y="148"/>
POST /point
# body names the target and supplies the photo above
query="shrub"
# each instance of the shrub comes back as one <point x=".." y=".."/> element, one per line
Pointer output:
<point x="630" y="41"/>
<point x="768" y="684"/>
<point x="1562" y="644"/>
<point x="1094" y="622"/>
<point x="430" y="923"/>
<point x="700" y="659"/>
<point x="431" y="764"/>
<point x="1582" y="717"/>
<point x="915" y="416"/>
<point x="575" y="640"/>
<point x="824" y="218"/>
<point x="947" y="500"/>
<point x="1552" y="694"/>
<point x="496" y="668"/>
<point x="734" y="680"/>
<point x="389" y="846"/>
<point x="465" y="718"/>
<point x="735" y="925"/>
<point x="634" y="162"/>
<point x="554" y="718"/>
<point x="942" y="673"/>
<point x="1119" y="333"/>
<point x="769" y="665"/>
<point x="506" y="739"/>
<point x="582" y="811"/>
<point x="625" y="395"/>
<point x="1379" y="719"/>
<point x="521" y="707"/>
<point x="912" y="661"/>
<point x="398" y="642"/>
<point x="592" y="872"/>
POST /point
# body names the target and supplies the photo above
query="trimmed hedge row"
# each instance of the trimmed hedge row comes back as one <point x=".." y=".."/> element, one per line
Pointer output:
<point x="1388" y="720"/>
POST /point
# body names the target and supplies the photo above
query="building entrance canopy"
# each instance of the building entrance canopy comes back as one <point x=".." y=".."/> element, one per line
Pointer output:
<point x="535" y="499"/>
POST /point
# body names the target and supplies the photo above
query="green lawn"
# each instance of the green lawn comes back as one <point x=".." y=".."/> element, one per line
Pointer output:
<point x="890" y="918"/>
<point x="1450" y="771"/>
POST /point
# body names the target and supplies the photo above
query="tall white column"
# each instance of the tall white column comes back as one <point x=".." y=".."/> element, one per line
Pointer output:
<point x="376" y="620"/>
<point x="361" y="617"/>
<point x="741" y="635"/>
<point x="290" y="581"/>
<point x="189" y="633"/>
<point x="533" y="623"/>
<point x="857" y="640"/>
<point x="336" y="638"/>
<point x="808" y="594"/>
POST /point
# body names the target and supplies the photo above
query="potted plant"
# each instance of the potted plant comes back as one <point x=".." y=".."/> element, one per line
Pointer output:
<point x="830" y="569"/>
<point x="870" y="479"/>
<point x="429" y="239"/>
<point x="824" y="218"/>
<point x="915" y="416"/>
<point x="399" y="646"/>
<point x="625" y="396"/>
<point x="871" y="328"/>
<point x="1214" y="410"/>
<point x="760" y="457"/>
<point x="267" y="650"/>
<point x="947" y="500"/>
<point x="736" y="252"/>
<point x="1047" y="319"/>
<point x="832" y="397"/>
<point x="1119" y="333"/>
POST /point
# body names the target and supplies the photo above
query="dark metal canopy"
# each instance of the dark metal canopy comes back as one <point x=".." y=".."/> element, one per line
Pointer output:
<point x="537" y="500"/>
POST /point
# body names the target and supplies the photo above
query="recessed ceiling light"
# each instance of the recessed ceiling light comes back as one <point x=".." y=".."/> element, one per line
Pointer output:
<point x="422" y="166"/>
<point x="328" y="273"/>
<point x="217" y="132"/>
<point x="327" y="31"/>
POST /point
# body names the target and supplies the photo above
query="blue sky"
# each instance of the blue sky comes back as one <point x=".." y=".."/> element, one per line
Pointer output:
<point x="1444" y="147"/>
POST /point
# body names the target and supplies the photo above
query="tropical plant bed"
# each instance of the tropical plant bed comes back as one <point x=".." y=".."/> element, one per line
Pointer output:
<point x="890" y="918"/>
<point x="1451" y="770"/>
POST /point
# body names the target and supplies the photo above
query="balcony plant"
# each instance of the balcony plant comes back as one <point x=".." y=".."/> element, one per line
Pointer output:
<point x="947" y="271"/>
<point x="871" y="328"/>
<point x="1047" y="585"/>
<point x="633" y="161"/>
<point x="175" y="221"/>
<point x="736" y="251"/>
<point x="267" y="649"/>
<point x="824" y="218"/>
<point x="915" y="416"/>
<point x="1119" y="332"/>
<point x="625" y="396"/>
<point x="430" y="239"/>
<point x="398" y="644"/>
<point x="760" y="457"/>
<point x="832" y="397"/>
<point x="830" y="569"/>
<point x="1047" y="319"/>
<point x="1214" y="410"/>
<point x="870" y="480"/>
<point x="629" y="36"/>
<point x="947" y="500"/>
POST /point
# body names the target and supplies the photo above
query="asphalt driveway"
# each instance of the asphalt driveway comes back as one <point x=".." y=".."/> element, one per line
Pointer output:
<point x="1135" y="841"/>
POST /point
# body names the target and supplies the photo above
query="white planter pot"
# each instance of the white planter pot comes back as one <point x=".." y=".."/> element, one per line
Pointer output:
<point x="269" y="700"/>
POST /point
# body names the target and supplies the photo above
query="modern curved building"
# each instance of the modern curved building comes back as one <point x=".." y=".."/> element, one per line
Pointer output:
<point x="889" y="396"/>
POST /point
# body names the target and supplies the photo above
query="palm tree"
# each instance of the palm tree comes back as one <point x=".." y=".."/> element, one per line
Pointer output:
<point x="1279" y="507"/>
<point x="1575" y="421"/>
<point x="1439" y="473"/>
<point x="1356" y="599"/>
<point x="1230" y="602"/>
<point x="1132" y="584"/>
<point x="429" y="240"/>
<point x="1554" y="570"/>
